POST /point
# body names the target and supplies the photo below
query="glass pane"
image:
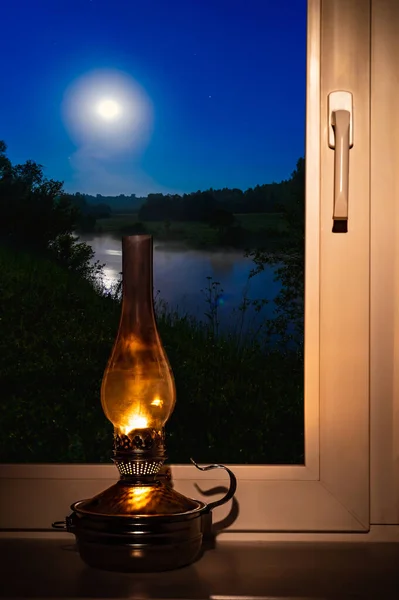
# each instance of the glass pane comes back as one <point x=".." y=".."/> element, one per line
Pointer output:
<point x="184" y="120"/>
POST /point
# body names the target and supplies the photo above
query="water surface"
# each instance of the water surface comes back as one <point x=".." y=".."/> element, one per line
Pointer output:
<point x="181" y="273"/>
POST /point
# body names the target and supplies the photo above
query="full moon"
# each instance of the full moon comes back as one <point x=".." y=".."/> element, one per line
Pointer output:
<point x="108" y="109"/>
<point x="108" y="112"/>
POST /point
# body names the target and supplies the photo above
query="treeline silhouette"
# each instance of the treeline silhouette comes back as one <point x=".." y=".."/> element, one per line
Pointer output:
<point x="201" y="206"/>
<point x="195" y="206"/>
<point x="107" y="204"/>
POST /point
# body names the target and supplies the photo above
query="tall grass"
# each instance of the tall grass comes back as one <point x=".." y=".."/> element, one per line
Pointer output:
<point x="238" y="400"/>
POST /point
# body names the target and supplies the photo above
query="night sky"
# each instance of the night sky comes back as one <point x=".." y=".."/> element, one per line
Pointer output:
<point x="209" y="93"/>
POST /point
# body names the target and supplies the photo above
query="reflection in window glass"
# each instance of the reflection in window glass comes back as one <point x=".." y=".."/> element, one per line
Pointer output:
<point x="180" y="119"/>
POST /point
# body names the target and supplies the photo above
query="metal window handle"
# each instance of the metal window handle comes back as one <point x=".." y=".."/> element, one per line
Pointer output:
<point x="341" y="140"/>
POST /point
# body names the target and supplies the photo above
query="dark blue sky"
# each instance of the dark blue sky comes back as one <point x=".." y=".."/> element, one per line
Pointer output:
<point x="224" y="82"/>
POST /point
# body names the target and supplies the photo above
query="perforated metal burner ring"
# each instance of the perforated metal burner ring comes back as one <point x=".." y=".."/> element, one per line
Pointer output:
<point x="139" y="454"/>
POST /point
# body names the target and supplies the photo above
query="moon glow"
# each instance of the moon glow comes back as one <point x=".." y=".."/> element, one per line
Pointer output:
<point x="109" y="112"/>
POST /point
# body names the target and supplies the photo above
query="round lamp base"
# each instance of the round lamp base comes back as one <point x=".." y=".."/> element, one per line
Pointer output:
<point x="138" y="529"/>
<point x="141" y="524"/>
<point x="146" y="546"/>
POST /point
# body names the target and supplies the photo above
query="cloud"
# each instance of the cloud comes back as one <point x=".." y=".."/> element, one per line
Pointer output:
<point x="94" y="173"/>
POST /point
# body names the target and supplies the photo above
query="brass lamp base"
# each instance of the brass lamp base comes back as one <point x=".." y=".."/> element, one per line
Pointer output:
<point x="137" y="528"/>
<point x="141" y="526"/>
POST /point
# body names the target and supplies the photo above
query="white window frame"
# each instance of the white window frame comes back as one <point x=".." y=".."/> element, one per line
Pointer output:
<point x="384" y="334"/>
<point x="331" y="492"/>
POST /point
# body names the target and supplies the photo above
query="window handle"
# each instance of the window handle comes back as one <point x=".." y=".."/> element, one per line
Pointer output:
<point x="341" y="140"/>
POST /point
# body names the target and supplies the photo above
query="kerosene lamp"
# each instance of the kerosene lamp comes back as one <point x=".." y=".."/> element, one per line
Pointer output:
<point x="140" y="523"/>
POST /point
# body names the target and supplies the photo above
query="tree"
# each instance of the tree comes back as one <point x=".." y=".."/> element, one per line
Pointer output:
<point x="34" y="209"/>
<point x="5" y="164"/>
<point x="290" y="261"/>
<point x="38" y="216"/>
<point x="88" y="213"/>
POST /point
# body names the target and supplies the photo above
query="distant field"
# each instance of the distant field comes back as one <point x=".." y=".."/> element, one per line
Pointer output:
<point x="259" y="221"/>
<point x="193" y="233"/>
<point x="250" y="221"/>
<point x="116" y="222"/>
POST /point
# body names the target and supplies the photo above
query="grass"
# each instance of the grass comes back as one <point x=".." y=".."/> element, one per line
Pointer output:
<point x="236" y="402"/>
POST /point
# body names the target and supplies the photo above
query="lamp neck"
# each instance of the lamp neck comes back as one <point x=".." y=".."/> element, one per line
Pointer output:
<point x="137" y="285"/>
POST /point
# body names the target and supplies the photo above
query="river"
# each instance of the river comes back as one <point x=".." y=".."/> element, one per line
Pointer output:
<point x="180" y="274"/>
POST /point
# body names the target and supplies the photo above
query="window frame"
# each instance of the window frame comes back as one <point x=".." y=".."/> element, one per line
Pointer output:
<point x="331" y="492"/>
<point x="384" y="268"/>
